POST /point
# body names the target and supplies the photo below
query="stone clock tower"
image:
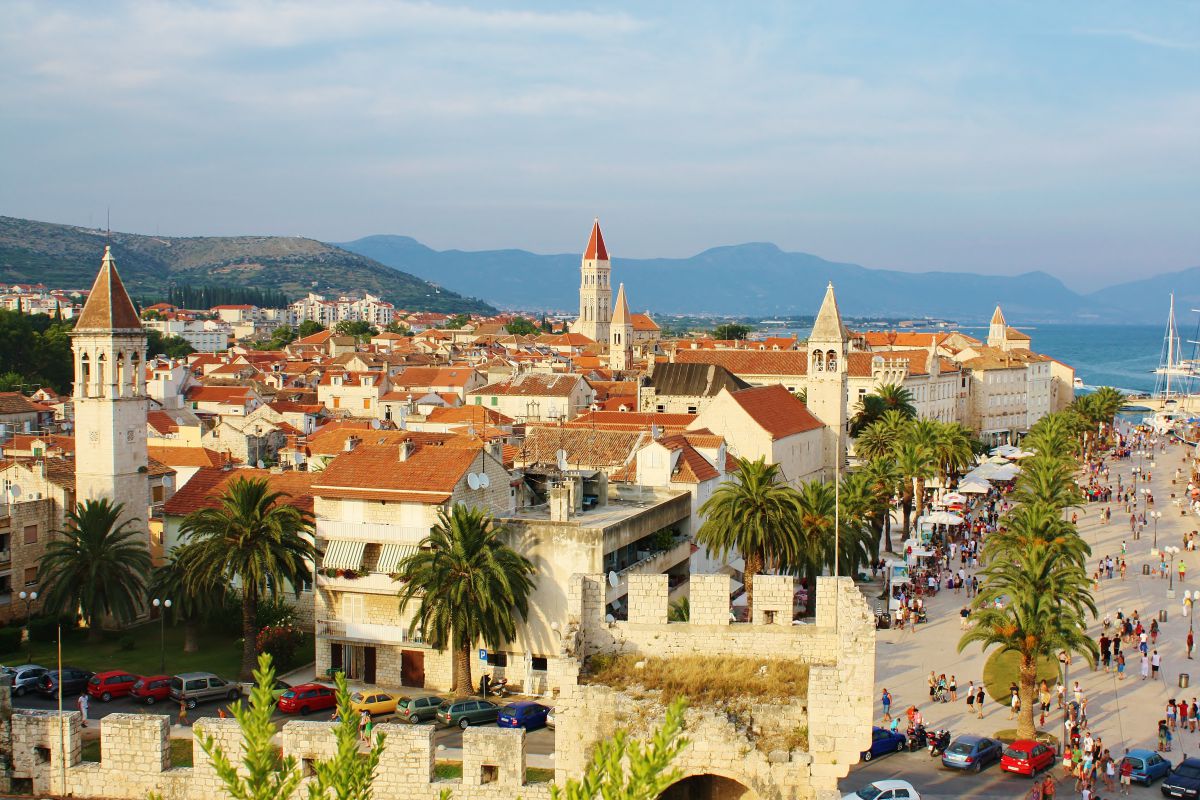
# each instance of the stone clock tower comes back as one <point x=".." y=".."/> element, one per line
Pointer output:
<point x="110" y="400"/>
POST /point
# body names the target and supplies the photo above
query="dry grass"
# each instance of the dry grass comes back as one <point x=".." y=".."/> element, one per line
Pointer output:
<point x="704" y="680"/>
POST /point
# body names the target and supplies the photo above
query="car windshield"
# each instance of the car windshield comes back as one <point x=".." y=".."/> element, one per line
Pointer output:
<point x="960" y="748"/>
<point x="289" y="693"/>
<point x="1187" y="771"/>
<point x="357" y="697"/>
<point x="139" y="684"/>
<point x="869" y="792"/>
<point x="1019" y="755"/>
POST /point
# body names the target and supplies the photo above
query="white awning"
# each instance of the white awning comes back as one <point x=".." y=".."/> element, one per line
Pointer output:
<point x="342" y="554"/>
<point x="391" y="555"/>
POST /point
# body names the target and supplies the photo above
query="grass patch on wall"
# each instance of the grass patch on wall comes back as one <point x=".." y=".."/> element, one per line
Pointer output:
<point x="703" y="680"/>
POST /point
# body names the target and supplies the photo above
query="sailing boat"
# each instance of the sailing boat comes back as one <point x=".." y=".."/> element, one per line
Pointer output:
<point x="1174" y="386"/>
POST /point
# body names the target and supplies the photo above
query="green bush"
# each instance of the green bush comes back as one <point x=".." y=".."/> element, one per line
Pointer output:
<point x="43" y="629"/>
<point x="127" y="643"/>
<point x="289" y="647"/>
<point x="10" y="640"/>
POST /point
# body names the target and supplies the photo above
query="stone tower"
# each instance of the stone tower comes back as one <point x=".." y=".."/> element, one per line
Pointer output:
<point x="998" y="331"/>
<point x="620" y="342"/>
<point x="110" y="400"/>
<point x="595" y="290"/>
<point x="827" y="346"/>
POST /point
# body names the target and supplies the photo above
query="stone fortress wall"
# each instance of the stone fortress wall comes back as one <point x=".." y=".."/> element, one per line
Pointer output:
<point x="839" y="646"/>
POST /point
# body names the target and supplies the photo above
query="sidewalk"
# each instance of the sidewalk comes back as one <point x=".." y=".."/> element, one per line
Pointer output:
<point x="1124" y="713"/>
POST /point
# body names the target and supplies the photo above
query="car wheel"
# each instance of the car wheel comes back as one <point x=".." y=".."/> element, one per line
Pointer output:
<point x="900" y="747"/>
<point x="234" y="694"/>
<point x="304" y="711"/>
<point x="150" y="700"/>
<point x="20" y="691"/>
<point x="979" y="766"/>
<point x="414" y="720"/>
<point x="190" y="703"/>
<point x="464" y="723"/>
<point x="106" y="696"/>
<point x="867" y="756"/>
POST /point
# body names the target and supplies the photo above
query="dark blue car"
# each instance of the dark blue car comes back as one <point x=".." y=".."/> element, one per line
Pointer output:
<point x="972" y="752"/>
<point x="883" y="741"/>
<point x="1148" y="766"/>
<point x="527" y="715"/>
<point x="1183" y="780"/>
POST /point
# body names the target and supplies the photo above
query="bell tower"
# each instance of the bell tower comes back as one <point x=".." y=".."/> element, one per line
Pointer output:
<point x="595" y="290"/>
<point x="109" y="347"/>
<point x="827" y="385"/>
<point x="620" y="345"/>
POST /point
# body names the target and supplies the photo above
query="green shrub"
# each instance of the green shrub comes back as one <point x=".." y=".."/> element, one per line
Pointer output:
<point x="10" y="640"/>
<point x="43" y="629"/>
<point x="127" y="643"/>
<point x="289" y="647"/>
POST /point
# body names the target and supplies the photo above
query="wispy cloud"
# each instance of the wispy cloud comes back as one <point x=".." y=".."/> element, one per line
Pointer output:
<point x="1141" y="37"/>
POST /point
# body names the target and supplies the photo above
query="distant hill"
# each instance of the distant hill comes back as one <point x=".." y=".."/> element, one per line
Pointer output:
<point x="746" y="279"/>
<point x="1148" y="298"/>
<point x="65" y="256"/>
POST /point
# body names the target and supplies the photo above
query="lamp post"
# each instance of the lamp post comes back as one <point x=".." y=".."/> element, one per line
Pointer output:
<point x="162" y="605"/>
<point x="1170" y="552"/>
<point x="28" y="597"/>
<point x="1187" y="607"/>
<point x="1154" y="515"/>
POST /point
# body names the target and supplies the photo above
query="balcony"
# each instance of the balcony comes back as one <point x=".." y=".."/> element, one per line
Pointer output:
<point x="371" y="583"/>
<point x="381" y="533"/>
<point x="5" y="556"/>
<point x="654" y="563"/>
<point x="367" y="632"/>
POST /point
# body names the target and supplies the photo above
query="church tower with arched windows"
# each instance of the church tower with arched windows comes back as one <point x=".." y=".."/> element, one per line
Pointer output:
<point x="110" y="402"/>
<point x="828" y="345"/>
<point x="595" y="290"/>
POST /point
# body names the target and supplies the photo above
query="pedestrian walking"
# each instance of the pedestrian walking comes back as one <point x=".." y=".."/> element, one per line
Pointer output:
<point x="953" y="688"/>
<point x="183" y="712"/>
<point x="886" y="700"/>
<point x="82" y="704"/>
<point x="1145" y="666"/>
<point x="1155" y="664"/>
<point x="971" y="698"/>
<point x="979" y="700"/>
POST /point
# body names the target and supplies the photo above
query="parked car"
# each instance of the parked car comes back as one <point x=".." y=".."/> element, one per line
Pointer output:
<point x="885" y="790"/>
<point x="74" y="681"/>
<point x="1148" y="766"/>
<point x="418" y="709"/>
<point x="465" y="713"/>
<point x="374" y="703"/>
<point x="307" y="698"/>
<point x="1184" y="780"/>
<point x="1027" y="757"/>
<point x="151" y="689"/>
<point x="196" y="687"/>
<point x="972" y="752"/>
<point x="525" y="714"/>
<point x="115" y="683"/>
<point x="884" y="741"/>
<point x="25" y="678"/>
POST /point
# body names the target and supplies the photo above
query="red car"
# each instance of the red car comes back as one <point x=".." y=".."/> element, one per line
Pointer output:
<point x="151" y="689"/>
<point x="107" y="685"/>
<point x="1027" y="758"/>
<point x="306" y="698"/>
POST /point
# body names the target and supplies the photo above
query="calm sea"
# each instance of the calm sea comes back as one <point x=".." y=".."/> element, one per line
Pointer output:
<point x="1123" y="356"/>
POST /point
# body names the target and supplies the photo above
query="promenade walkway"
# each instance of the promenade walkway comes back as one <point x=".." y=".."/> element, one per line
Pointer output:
<point x="1123" y="713"/>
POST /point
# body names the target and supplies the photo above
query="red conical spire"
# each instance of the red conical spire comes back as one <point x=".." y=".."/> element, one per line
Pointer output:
<point x="595" y="247"/>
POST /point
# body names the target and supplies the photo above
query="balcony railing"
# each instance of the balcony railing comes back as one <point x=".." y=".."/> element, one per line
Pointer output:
<point x="371" y="583"/>
<point x="382" y="533"/>
<point x="368" y="632"/>
<point x="5" y="556"/>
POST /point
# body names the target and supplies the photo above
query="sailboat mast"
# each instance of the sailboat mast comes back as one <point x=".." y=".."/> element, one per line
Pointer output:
<point x="1170" y="346"/>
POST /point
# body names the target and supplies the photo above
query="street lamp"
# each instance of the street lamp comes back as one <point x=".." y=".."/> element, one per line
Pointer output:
<point x="1187" y="606"/>
<point x="162" y="631"/>
<point x="1171" y="552"/>
<point x="28" y="597"/>
<point x="1154" y="515"/>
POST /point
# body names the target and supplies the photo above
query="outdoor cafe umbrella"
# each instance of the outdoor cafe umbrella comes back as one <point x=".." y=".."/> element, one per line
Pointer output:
<point x="974" y="487"/>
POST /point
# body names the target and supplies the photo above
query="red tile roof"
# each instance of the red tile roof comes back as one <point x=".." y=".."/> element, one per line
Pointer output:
<point x="595" y="246"/>
<point x="206" y="486"/>
<point x="108" y="306"/>
<point x="183" y="456"/>
<point x="777" y="410"/>
<point x="749" y="362"/>
<point x="428" y="475"/>
<point x="630" y="420"/>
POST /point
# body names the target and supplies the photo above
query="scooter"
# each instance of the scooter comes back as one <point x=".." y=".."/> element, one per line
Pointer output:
<point x="939" y="742"/>
<point x="917" y="738"/>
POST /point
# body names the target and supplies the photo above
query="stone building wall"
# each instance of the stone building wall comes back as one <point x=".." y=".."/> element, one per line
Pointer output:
<point x="747" y="749"/>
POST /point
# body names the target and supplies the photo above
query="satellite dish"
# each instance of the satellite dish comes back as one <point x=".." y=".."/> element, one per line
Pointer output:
<point x="472" y="480"/>
<point x="561" y="458"/>
<point x="14" y="490"/>
<point x="484" y="480"/>
<point x="613" y="580"/>
<point x="610" y="619"/>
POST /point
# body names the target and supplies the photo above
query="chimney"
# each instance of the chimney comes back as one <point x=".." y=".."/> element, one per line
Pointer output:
<point x="496" y="448"/>
<point x="407" y="448"/>
<point x="351" y="443"/>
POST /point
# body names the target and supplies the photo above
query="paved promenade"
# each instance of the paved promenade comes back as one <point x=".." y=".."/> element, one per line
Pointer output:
<point x="1123" y="713"/>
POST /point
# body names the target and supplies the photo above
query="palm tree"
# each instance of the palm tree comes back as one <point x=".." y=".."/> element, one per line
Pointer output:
<point x="816" y="523"/>
<point x="926" y="436"/>
<point x="952" y="450"/>
<point x="755" y="514"/>
<point x="96" y="565"/>
<point x="254" y="538"/>
<point x="914" y="463"/>
<point x="190" y="603"/>
<point x="884" y="477"/>
<point x="870" y="408"/>
<point x="896" y="398"/>
<point x="874" y="442"/>
<point x="469" y="585"/>
<point x="1048" y="481"/>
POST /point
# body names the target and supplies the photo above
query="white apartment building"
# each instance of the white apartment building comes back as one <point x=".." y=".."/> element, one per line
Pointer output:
<point x="317" y="308"/>
<point x="205" y="336"/>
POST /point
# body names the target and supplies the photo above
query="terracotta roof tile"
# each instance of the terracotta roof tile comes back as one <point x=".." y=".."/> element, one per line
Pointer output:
<point x="595" y="246"/>
<point x="586" y="448"/>
<point x="429" y="474"/>
<point x="205" y="487"/>
<point x="777" y="410"/>
<point x="108" y="306"/>
<point x="183" y="456"/>
<point x="749" y="362"/>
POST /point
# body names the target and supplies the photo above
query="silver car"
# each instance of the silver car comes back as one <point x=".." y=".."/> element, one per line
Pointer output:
<point x="24" y="678"/>
<point x="196" y="687"/>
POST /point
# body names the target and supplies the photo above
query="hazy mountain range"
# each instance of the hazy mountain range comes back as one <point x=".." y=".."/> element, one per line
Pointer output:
<point x="67" y="257"/>
<point x="761" y="279"/>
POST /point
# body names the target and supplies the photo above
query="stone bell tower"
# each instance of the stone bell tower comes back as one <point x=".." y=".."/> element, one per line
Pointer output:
<point x="827" y="385"/>
<point x="595" y="289"/>
<point x="109" y="347"/>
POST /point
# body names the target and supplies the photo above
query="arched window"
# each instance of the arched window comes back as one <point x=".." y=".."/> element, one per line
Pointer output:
<point x="101" y="366"/>
<point x="831" y="364"/>
<point x="84" y="377"/>
<point x="818" y="361"/>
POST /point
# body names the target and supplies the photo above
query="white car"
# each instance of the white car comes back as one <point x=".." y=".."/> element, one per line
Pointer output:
<point x="885" y="790"/>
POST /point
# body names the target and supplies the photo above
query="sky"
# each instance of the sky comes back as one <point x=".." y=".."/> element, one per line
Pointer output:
<point x="967" y="136"/>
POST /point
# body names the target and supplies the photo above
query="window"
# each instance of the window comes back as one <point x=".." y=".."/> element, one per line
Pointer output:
<point x="693" y="410"/>
<point x="31" y="534"/>
<point x="495" y="400"/>
<point x="31" y="576"/>
<point x="366" y="402"/>
<point x="539" y="663"/>
<point x="478" y="400"/>
<point x="497" y="659"/>
<point x="769" y="617"/>
<point x="156" y="494"/>
<point x="337" y="402"/>
<point x="489" y="773"/>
